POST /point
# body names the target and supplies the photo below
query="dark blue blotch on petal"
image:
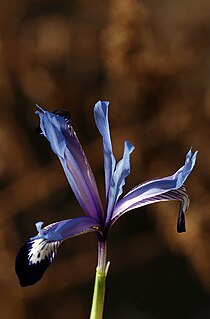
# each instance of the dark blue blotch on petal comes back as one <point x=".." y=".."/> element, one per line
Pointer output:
<point x="36" y="254"/>
<point x="181" y="221"/>
<point x="33" y="259"/>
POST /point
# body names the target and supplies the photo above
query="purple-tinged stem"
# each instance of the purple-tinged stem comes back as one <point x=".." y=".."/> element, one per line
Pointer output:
<point x="102" y="253"/>
<point x="100" y="280"/>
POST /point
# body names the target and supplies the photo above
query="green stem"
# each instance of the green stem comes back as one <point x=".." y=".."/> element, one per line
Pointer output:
<point x="100" y="280"/>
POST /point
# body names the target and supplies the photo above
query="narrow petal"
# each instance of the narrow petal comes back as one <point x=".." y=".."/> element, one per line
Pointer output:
<point x="158" y="190"/>
<point x="65" y="144"/>
<point x="118" y="179"/>
<point x="37" y="253"/>
<point x="102" y="123"/>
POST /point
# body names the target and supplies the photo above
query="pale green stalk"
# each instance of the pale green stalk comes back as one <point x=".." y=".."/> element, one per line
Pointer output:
<point x="100" y="282"/>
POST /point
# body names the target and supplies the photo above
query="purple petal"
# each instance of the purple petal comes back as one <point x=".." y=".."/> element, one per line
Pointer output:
<point x="177" y="194"/>
<point x="65" y="144"/>
<point x="157" y="189"/>
<point x="118" y="179"/>
<point x="102" y="123"/>
<point x="68" y="228"/>
<point x="37" y="253"/>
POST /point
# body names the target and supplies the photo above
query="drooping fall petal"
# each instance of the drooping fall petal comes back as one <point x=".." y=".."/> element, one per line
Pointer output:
<point x="37" y="253"/>
<point x="160" y="189"/>
<point x="177" y="194"/>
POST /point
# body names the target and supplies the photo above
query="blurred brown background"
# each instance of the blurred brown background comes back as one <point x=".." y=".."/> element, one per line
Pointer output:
<point x="151" y="60"/>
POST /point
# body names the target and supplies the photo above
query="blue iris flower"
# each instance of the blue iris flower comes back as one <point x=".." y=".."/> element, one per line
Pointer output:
<point x="39" y="251"/>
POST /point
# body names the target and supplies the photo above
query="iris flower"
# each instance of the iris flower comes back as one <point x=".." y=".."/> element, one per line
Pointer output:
<point x="37" y="253"/>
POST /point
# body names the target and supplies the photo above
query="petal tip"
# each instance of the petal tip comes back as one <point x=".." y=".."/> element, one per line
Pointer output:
<point x="39" y="226"/>
<point x="181" y="223"/>
<point x="33" y="259"/>
<point x="40" y="108"/>
<point x="101" y="106"/>
<point x="130" y="146"/>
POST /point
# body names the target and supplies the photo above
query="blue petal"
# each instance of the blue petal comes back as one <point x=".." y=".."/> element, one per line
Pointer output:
<point x="159" y="189"/>
<point x="182" y="174"/>
<point x="65" y="144"/>
<point x="67" y="228"/>
<point x="102" y="122"/>
<point x="177" y="194"/>
<point x="37" y="253"/>
<point x="118" y="179"/>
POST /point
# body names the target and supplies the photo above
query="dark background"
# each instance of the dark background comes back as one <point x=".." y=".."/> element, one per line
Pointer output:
<point x="150" y="59"/>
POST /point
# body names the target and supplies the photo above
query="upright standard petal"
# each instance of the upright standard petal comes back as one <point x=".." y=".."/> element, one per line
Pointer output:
<point x="118" y="180"/>
<point x="37" y="253"/>
<point x="160" y="189"/>
<point x="102" y="123"/>
<point x="56" y="127"/>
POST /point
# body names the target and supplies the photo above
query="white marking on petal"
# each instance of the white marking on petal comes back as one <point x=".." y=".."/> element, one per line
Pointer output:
<point x="41" y="249"/>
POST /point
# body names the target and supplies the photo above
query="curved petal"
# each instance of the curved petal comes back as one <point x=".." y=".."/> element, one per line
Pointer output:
<point x="154" y="190"/>
<point x="118" y="179"/>
<point x="177" y="194"/>
<point x="37" y="253"/>
<point x="65" y="144"/>
<point x="102" y="123"/>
